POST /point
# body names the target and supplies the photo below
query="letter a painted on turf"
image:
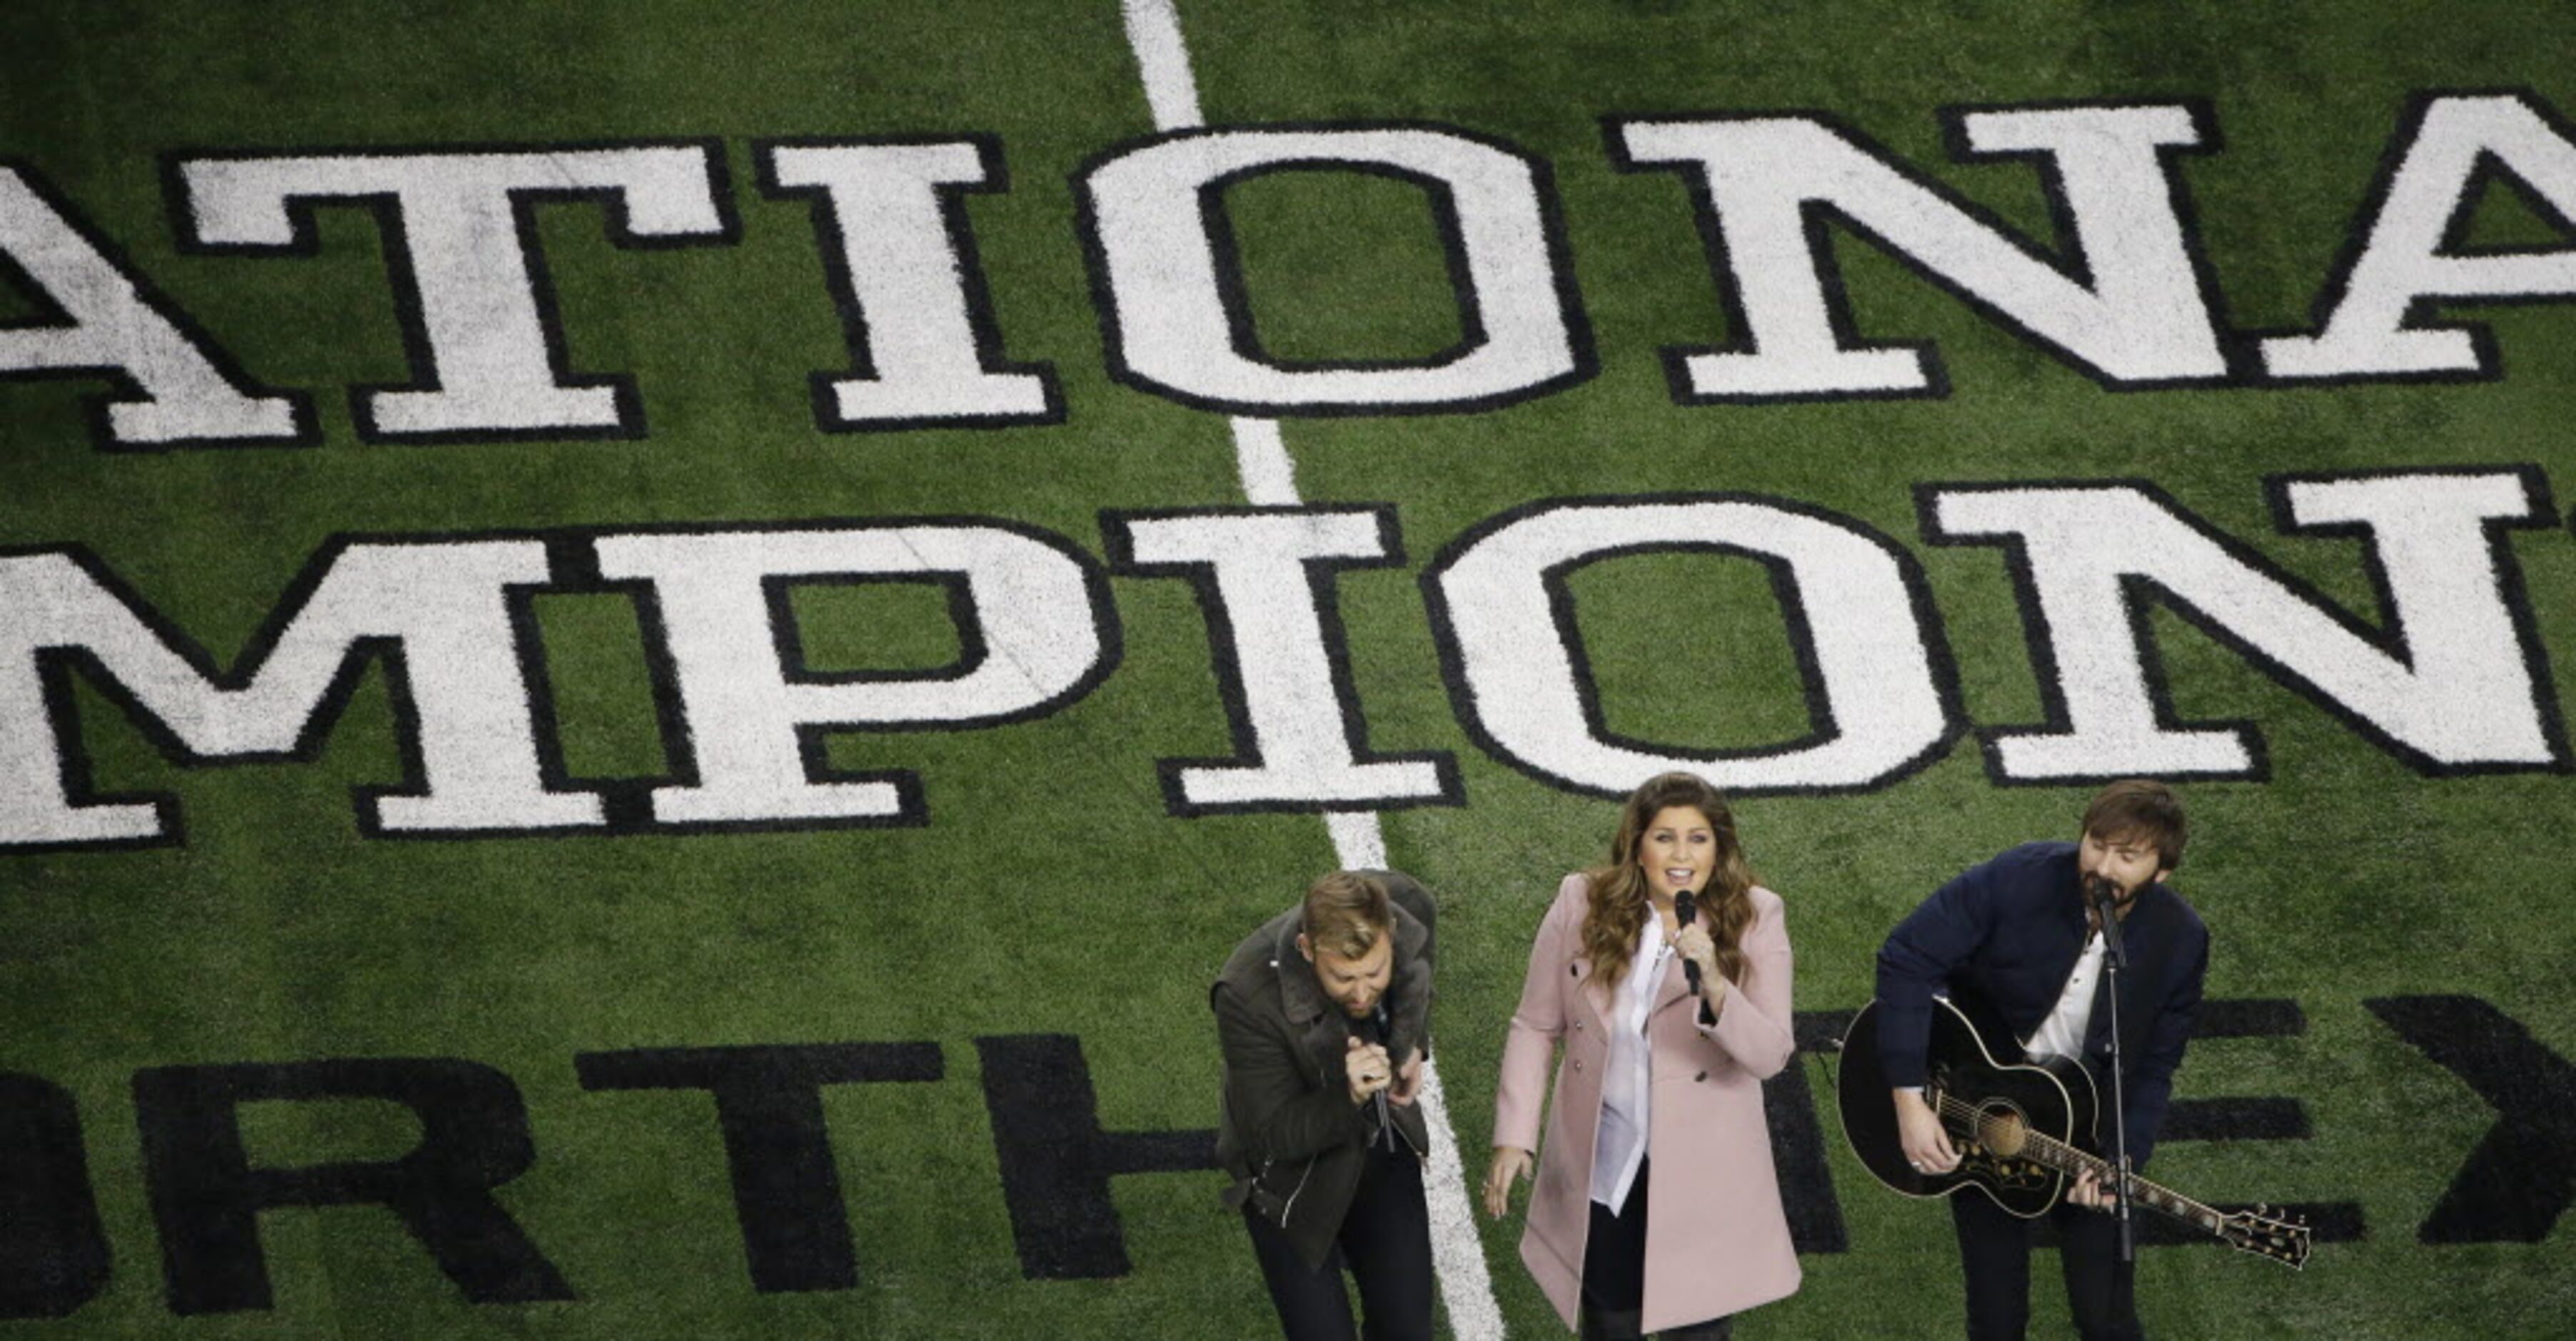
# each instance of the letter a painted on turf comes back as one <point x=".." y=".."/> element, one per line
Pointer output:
<point x="110" y="324"/>
<point x="2416" y="253"/>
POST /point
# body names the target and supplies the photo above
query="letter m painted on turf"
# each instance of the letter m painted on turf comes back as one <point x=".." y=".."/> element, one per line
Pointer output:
<point x="442" y="616"/>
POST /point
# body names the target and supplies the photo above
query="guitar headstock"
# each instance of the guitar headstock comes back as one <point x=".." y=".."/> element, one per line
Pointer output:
<point x="2260" y="1232"/>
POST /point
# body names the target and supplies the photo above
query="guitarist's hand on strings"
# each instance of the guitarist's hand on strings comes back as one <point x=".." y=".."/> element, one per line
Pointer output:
<point x="1919" y="1134"/>
<point x="2088" y="1192"/>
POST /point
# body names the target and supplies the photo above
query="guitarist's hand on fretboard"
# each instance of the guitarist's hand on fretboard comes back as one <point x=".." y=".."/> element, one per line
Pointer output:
<point x="1918" y="1130"/>
<point x="2087" y="1192"/>
<point x="2017" y="1133"/>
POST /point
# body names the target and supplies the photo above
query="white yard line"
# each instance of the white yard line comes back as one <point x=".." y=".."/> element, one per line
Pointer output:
<point x="1154" y="31"/>
<point x="1269" y="478"/>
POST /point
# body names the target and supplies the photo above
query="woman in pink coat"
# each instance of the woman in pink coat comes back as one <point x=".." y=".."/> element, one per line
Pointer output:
<point x="1655" y="1208"/>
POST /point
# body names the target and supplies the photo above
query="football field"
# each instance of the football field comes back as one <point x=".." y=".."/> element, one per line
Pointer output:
<point x="649" y="652"/>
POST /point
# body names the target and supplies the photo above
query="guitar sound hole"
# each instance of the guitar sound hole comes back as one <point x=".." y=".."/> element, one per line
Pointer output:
<point x="2002" y="1131"/>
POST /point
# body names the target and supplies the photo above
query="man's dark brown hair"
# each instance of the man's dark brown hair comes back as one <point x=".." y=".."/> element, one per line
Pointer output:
<point x="2136" y="809"/>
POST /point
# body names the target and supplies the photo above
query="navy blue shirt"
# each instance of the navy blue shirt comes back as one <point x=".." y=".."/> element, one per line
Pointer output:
<point x="2000" y="940"/>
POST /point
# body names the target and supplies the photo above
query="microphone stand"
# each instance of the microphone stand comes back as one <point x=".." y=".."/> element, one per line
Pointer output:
<point x="2115" y="957"/>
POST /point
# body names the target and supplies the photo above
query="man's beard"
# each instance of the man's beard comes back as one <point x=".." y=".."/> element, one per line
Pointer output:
<point x="2100" y="889"/>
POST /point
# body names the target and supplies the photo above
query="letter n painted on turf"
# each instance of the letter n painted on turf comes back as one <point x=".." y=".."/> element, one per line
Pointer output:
<point x="2449" y="681"/>
<point x="2128" y="308"/>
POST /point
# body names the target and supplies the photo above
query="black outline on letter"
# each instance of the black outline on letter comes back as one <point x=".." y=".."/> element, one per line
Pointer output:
<point x="2140" y="594"/>
<point x="95" y="407"/>
<point x="1936" y="650"/>
<point x="1225" y="661"/>
<point x="1821" y="217"/>
<point x="970" y="274"/>
<point x="1230" y="289"/>
<point x="395" y="244"/>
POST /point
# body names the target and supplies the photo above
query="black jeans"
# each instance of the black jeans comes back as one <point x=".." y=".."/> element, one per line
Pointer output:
<point x="1385" y="1243"/>
<point x="1614" y="1272"/>
<point x="1994" y="1253"/>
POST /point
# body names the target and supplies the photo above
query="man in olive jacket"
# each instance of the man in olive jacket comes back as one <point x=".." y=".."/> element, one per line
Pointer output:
<point x="1323" y="1016"/>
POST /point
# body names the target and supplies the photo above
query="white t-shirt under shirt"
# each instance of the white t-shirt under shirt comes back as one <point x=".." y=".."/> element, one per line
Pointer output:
<point x="2062" y="1033"/>
<point x="1627" y="1081"/>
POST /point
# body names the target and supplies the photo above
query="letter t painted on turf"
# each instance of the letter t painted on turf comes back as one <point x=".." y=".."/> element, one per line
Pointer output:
<point x="487" y="355"/>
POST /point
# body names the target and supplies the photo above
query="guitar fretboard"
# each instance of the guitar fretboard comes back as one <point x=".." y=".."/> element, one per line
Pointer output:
<point x="2039" y="1147"/>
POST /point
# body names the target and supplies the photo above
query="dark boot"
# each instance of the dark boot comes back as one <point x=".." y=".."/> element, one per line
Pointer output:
<point x="1715" y="1329"/>
<point x="1594" y="1324"/>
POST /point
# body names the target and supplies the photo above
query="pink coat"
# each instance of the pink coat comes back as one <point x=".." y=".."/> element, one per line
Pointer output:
<point x="1716" y="1239"/>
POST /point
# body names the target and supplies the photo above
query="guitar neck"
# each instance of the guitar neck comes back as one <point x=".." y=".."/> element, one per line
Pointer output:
<point x="2042" y="1148"/>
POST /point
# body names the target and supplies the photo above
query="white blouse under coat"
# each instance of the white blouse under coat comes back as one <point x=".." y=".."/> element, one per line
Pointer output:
<point x="1627" y="1081"/>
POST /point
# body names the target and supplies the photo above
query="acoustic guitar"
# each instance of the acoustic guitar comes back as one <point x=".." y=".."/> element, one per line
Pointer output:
<point x="2023" y="1132"/>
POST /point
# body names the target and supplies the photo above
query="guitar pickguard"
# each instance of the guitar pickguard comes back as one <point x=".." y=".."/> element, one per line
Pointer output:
<point x="2010" y="1174"/>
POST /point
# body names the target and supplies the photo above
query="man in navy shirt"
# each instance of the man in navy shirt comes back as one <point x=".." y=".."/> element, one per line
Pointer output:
<point x="2014" y="944"/>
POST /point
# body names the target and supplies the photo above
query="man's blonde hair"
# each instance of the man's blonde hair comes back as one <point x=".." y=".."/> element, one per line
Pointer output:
<point x="1345" y="915"/>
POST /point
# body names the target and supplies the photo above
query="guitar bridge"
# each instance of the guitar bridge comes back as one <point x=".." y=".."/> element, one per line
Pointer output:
<point x="2003" y="1171"/>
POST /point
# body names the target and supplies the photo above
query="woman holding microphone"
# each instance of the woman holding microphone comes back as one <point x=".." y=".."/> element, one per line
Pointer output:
<point x="1655" y="1208"/>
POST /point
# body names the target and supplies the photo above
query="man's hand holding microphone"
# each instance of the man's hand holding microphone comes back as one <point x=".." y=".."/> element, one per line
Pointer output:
<point x="1368" y="1070"/>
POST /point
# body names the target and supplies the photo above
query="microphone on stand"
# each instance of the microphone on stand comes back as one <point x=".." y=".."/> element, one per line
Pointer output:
<point x="2104" y="897"/>
<point x="2106" y="910"/>
<point x="1685" y="912"/>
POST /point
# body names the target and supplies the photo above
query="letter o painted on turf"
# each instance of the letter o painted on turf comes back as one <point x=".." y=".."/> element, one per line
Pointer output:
<point x="1164" y="292"/>
<point x="1855" y="608"/>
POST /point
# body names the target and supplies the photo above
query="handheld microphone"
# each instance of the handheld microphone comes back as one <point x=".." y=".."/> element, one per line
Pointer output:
<point x="1685" y="912"/>
<point x="1385" y="1029"/>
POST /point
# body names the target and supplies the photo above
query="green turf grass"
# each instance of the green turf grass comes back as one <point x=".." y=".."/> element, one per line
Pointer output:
<point x="1052" y="893"/>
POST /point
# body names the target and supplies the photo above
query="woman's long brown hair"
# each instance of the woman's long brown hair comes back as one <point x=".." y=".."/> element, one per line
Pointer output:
<point x="1619" y="908"/>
